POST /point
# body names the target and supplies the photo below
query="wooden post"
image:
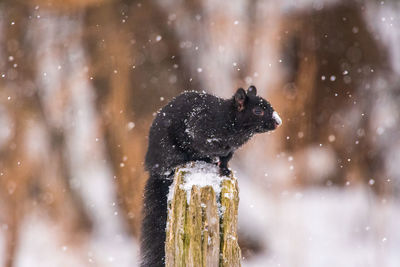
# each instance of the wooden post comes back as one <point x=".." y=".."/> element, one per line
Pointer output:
<point x="202" y="218"/>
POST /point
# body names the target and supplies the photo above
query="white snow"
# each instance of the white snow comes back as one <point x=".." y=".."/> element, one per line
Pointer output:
<point x="319" y="227"/>
<point x="43" y="242"/>
<point x="276" y="117"/>
<point x="201" y="174"/>
<point x="171" y="191"/>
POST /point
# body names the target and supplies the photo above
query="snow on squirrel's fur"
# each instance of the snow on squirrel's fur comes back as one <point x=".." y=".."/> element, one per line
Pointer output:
<point x="200" y="174"/>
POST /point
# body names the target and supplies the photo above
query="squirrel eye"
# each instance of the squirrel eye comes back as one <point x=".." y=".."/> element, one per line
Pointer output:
<point x="258" y="111"/>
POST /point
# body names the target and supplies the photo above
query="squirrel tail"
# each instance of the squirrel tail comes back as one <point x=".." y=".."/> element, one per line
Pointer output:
<point x="154" y="221"/>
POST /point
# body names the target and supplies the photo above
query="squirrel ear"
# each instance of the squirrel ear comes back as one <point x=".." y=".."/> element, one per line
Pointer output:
<point x="240" y="98"/>
<point x="252" y="90"/>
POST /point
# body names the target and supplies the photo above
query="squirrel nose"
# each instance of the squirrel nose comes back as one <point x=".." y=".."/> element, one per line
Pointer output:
<point x="277" y="119"/>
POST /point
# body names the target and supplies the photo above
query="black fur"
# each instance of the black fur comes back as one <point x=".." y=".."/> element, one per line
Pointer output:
<point x="194" y="126"/>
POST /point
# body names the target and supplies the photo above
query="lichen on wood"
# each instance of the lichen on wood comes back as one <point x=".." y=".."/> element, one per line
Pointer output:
<point x="202" y="219"/>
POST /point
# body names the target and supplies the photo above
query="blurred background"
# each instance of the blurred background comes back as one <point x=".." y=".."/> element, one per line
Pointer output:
<point x="81" y="81"/>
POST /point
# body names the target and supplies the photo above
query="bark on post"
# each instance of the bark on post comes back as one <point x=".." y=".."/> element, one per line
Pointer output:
<point x="202" y="219"/>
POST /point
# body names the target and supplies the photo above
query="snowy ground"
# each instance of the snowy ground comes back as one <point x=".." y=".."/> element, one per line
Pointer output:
<point x="311" y="228"/>
<point x="43" y="243"/>
<point x="321" y="227"/>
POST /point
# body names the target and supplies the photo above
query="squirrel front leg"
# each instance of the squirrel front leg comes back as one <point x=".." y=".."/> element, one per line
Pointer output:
<point x="223" y="164"/>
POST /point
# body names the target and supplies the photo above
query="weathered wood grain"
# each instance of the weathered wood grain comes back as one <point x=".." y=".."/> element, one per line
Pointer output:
<point x="202" y="232"/>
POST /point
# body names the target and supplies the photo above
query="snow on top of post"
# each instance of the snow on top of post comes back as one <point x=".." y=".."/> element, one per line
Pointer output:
<point x="200" y="174"/>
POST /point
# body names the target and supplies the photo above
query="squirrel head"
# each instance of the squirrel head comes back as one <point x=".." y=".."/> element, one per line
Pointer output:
<point x="254" y="113"/>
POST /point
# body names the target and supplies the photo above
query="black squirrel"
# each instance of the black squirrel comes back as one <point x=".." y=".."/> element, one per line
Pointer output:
<point x="194" y="127"/>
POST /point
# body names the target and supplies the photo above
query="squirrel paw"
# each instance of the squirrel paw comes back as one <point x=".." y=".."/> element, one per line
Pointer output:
<point x="225" y="172"/>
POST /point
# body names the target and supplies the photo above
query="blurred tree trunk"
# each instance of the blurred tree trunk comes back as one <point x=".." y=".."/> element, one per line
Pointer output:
<point x="33" y="171"/>
<point x="332" y="60"/>
<point x="135" y="71"/>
